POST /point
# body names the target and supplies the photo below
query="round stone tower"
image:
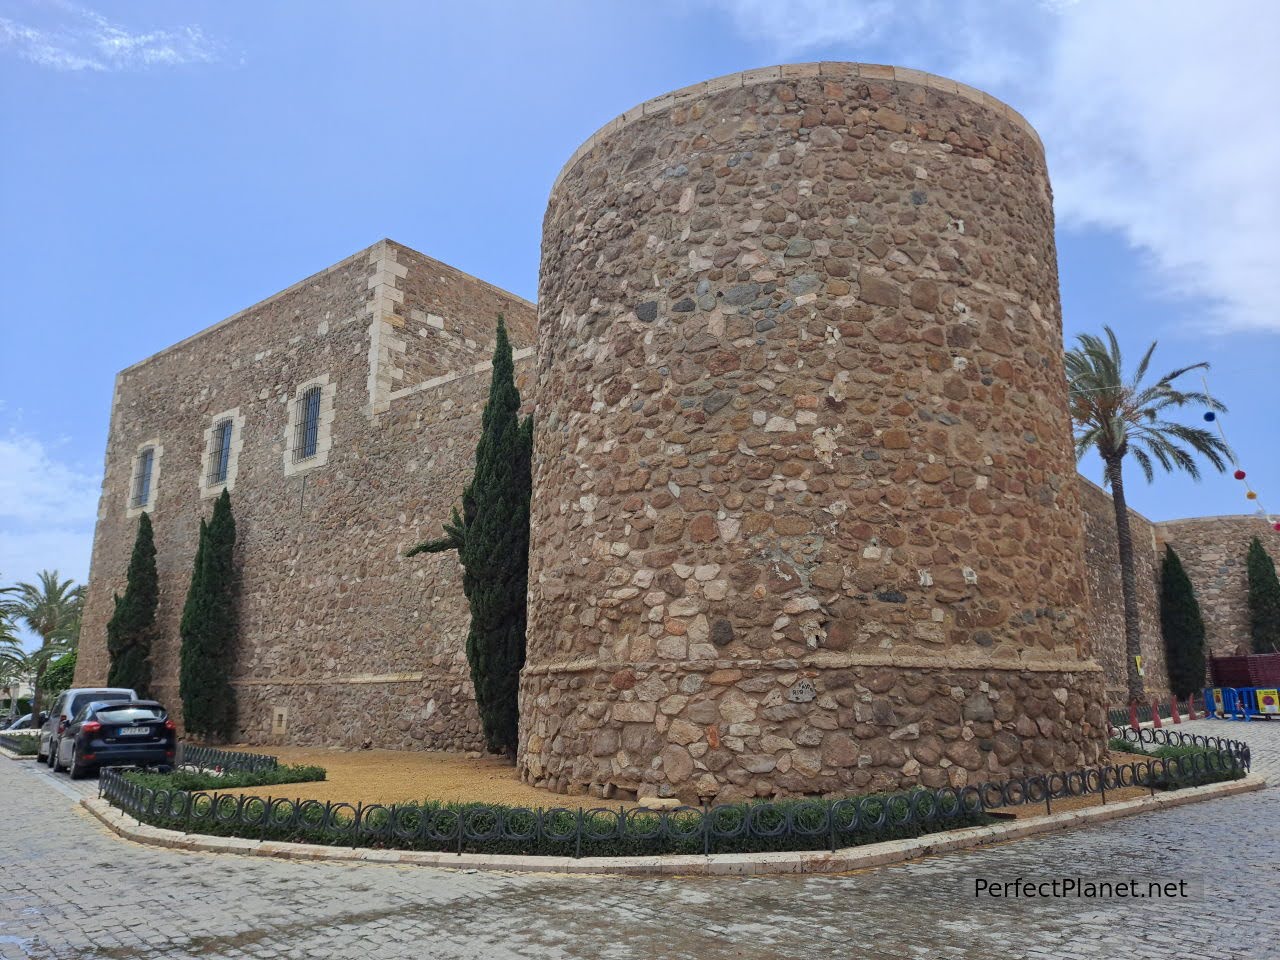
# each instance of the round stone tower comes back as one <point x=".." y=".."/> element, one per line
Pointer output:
<point x="806" y="514"/>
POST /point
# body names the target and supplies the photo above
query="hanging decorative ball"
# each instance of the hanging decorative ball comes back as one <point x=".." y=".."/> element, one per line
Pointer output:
<point x="1239" y="474"/>
<point x="1211" y="416"/>
<point x="1251" y="495"/>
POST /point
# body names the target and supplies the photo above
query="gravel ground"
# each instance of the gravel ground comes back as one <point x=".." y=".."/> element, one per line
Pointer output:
<point x="391" y="776"/>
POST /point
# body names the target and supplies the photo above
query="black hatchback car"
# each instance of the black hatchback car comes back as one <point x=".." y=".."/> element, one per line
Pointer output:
<point x="111" y="734"/>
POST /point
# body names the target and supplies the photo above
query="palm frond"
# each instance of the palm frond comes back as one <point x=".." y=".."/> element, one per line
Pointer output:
<point x="1116" y="416"/>
<point x="1144" y="462"/>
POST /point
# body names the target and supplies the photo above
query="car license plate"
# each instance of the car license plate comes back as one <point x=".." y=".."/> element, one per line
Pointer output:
<point x="134" y="731"/>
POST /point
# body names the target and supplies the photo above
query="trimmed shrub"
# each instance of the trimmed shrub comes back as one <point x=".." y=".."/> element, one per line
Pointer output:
<point x="1170" y="782"/>
<point x="492" y="539"/>
<point x="1264" y="599"/>
<point x="1181" y="626"/>
<point x="209" y="629"/>
<point x="129" y="631"/>
<point x="230" y="780"/>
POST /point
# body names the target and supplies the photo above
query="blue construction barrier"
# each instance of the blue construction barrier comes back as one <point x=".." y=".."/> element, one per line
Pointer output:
<point x="1241" y="703"/>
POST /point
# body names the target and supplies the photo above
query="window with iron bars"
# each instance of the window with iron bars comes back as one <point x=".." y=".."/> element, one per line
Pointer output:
<point x="220" y="452"/>
<point x="306" y="431"/>
<point x="142" y="478"/>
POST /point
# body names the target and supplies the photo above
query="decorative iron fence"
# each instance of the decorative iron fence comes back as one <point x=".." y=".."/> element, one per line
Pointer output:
<point x="1150" y="737"/>
<point x="749" y="827"/>
<point x="211" y="758"/>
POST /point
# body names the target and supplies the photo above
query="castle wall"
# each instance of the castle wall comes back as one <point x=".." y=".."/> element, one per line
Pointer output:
<point x="351" y="639"/>
<point x="1213" y="550"/>
<point x="806" y="514"/>
<point x="1106" y="603"/>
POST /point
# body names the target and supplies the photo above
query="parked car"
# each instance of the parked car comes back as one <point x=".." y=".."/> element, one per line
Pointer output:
<point x="116" y="732"/>
<point x="24" y="721"/>
<point x="68" y="704"/>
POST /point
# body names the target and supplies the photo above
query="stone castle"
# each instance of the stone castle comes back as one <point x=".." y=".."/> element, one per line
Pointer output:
<point x="806" y="515"/>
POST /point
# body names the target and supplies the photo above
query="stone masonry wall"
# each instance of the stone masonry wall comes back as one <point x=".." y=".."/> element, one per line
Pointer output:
<point x="1213" y="552"/>
<point x="806" y="514"/>
<point x="1106" y="603"/>
<point x="338" y="629"/>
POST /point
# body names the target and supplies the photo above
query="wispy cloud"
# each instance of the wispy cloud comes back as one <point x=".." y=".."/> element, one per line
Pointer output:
<point x="47" y="511"/>
<point x="1155" y="116"/>
<point x="64" y="36"/>
<point x="804" y="24"/>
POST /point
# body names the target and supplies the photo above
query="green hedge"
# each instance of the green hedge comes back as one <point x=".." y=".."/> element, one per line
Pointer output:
<point x="564" y="821"/>
<point x="23" y="746"/>
<point x="194" y="780"/>
<point x="167" y="800"/>
<point x="1168" y="782"/>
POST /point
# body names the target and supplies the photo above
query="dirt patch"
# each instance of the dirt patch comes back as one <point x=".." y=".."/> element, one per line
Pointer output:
<point x="394" y="776"/>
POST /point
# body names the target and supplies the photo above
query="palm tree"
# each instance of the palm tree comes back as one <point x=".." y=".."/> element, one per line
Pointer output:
<point x="50" y="609"/>
<point x="13" y="667"/>
<point x="12" y="656"/>
<point x="1118" y="417"/>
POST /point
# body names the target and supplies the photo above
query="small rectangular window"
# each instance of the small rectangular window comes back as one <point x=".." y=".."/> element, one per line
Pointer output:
<point x="142" y="478"/>
<point x="220" y="454"/>
<point x="307" y="433"/>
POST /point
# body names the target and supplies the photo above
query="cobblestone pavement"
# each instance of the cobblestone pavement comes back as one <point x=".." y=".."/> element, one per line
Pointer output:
<point x="89" y="894"/>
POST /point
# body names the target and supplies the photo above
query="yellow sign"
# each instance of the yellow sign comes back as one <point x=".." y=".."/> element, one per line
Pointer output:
<point x="1269" y="701"/>
<point x="1138" y="661"/>
<point x="1217" y="701"/>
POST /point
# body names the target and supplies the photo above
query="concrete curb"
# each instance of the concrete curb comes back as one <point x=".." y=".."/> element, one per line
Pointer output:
<point x="6" y="752"/>
<point x="719" y="864"/>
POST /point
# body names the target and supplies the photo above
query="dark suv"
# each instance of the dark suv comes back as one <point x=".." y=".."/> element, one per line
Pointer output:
<point x="68" y="704"/>
<point x="134" y="732"/>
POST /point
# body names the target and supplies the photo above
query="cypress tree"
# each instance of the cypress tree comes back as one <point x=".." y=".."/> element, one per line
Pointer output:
<point x="1181" y="626"/>
<point x="129" y="631"/>
<point x="492" y="539"/>
<point x="209" y="629"/>
<point x="1264" y="600"/>
<point x="191" y="659"/>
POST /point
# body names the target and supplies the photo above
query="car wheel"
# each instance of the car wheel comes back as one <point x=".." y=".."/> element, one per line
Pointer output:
<point x="53" y="754"/>
<point x="54" y="761"/>
<point x="75" y="771"/>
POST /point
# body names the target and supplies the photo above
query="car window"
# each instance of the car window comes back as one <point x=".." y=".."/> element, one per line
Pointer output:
<point x="81" y="714"/>
<point x="129" y="714"/>
<point x="86" y="698"/>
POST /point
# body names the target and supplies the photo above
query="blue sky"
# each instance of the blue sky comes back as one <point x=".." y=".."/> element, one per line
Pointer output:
<point x="166" y="164"/>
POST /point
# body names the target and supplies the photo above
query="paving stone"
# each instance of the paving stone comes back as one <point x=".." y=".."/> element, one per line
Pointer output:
<point x="218" y="906"/>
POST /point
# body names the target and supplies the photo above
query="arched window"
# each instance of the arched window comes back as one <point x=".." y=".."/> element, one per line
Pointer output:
<point x="307" y="425"/>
